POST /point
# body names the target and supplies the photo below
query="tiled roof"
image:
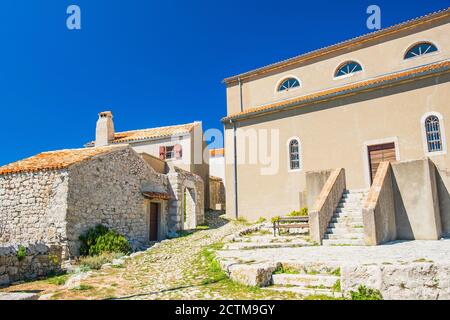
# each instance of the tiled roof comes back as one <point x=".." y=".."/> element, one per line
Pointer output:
<point x="216" y="152"/>
<point x="380" y="82"/>
<point x="413" y="23"/>
<point x="152" y="133"/>
<point x="55" y="160"/>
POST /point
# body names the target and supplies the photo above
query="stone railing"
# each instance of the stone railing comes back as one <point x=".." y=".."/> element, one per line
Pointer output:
<point x="37" y="261"/>
<point x="379" y="209"/>
<point x="326" y="204"/>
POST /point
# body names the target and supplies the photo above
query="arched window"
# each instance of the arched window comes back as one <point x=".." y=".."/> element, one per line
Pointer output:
<point x="294" y="154"/>
<point x="288" y="84"/>
<point x="420" y="49"/>
<point x="347" y="68"/>
<point x="433" y="134"/>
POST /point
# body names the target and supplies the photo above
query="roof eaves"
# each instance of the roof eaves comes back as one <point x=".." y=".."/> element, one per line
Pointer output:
<point x="294" y="104"/>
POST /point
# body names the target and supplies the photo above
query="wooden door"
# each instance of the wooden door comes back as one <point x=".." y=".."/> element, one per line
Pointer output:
<point x="378" y="154"/>
<point x="154" y="208"/>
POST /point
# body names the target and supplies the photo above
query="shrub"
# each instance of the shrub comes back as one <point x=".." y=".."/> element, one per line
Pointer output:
<point x="100" y="239"/>
<point x="275" y="219"/>
<point x="96" y="262"/>
<point x="260" y="220"/>
<point x="21" y="253"/>
<point x="302" y="213"/>
<point x="365" y="293"/>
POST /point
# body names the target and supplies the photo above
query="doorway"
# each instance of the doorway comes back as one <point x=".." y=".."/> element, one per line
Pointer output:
<point x="380" y="153"/>
<point x="153" y="221"/>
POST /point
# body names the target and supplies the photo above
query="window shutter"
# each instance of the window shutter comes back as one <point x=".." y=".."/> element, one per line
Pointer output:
<point x="162" y="153"/>
<point x="178" y="151"/>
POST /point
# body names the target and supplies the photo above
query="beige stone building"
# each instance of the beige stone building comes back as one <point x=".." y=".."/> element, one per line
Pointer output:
<point x="351" y="106"/>
<point x="179" y="146"/>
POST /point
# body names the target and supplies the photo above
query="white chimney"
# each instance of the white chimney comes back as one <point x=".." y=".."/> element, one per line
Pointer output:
<point x="104" y="133"/>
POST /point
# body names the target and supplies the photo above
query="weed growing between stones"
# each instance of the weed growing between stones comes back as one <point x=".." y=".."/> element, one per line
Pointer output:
<point x="365" y="293"/>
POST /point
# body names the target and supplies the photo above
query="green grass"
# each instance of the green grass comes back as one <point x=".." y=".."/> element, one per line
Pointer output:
<point x="96" y="262"/>
<point x="282" y="270"/>
<point x="337" y="286"/>
<point x="365" y="293"/>
<point x="421" y="260"/>
<point x="58" y="280"/>
<point x="83" y="287"/>
<point x="336" y="272"/>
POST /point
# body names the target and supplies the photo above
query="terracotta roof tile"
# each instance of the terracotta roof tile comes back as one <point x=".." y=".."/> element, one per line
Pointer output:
<point x="322" y="95"/>
<point x="413" y="23"/>
<point x="152" y="133"/>
<point x="55" y="160"/>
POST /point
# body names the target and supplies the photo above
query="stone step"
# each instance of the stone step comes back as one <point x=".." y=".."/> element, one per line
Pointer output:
<point x="304" y="280"/>
<point x="350" y="205"/>
<point x="346" y="220"/>
<point x="262" y="245"/>
<point x="343" y="229"/>
<point x="343" y="242"/>
<point x="344" y="213"/>
<point x="307" y="291"/>
<point x="344" y="236"/>
<point x="352" y="225"/>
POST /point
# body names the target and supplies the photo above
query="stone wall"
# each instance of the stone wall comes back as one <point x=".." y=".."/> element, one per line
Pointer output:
<point x="325" y="205"/>
<point x="33" y="207"/>
<point x="180" y="180"/>
<point x="379" y="209"/>
<point x="39" y="261"/>
<point x="108" y="190"/>
<point x="416" y="281"/>
<point x="216" y="193"/>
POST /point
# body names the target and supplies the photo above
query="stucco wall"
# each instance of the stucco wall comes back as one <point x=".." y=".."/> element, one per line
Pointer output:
<point x="108" y="190"/>
<point x="318" y="74"/>
<point x="443" y="186"/>
<point x="33" y="207"/>
<point x="335" y="134"/>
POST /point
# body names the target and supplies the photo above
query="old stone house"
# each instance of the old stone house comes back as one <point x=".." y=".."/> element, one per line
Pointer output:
<point x="179" y="146"/>
<point x="337" y="115"/>
<point x="54" y="197"/>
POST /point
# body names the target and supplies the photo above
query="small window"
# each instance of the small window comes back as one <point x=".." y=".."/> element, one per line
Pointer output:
<point x="420" y="49"/>
<point x="288" y="84"/>
<point x="170" y="152"/>
<point x="294" y="155"/>
<point x="348" y="68"/>
<point x="433" y="133"/>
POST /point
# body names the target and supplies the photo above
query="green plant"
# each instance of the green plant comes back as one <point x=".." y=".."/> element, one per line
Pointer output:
<point x="96" y="262"/>
<point x="365" y="293"/>
<point x="285" y="270"/>
<point x="100" y="239"/>
<point x="53" y="259"/>
<point x="302" y="213"/>
<point x="83" y="287"/>
<point x="260" y="220"/>
<point x="21" y="253"/>
<point x="275" y="219"/>
<point x="337" y="286"/>
<point x="336" y="272"/>
<point x="58" y="280"/>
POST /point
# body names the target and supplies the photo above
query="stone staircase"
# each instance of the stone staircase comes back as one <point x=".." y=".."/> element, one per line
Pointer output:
<point x="346" y="226"/>
<point x="307" y="284"/>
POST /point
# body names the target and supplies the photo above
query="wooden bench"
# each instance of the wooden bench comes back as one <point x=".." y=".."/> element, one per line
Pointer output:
<point x="290" y="223"/>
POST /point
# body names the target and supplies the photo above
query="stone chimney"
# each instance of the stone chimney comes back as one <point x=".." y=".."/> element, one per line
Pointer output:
<point x="104" y="133"/>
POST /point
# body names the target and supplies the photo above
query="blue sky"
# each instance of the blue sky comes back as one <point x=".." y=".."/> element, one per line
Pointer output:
<point x="152" y="63"/>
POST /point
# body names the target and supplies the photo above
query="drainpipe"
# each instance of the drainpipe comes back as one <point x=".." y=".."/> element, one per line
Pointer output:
<point x="235" y="170"/>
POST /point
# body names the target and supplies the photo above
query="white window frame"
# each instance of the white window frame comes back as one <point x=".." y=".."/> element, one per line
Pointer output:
<point x="300" y="158"/>
<point x="284" y="78"/>
<point x="424" y="134"/>
<point x="438" y="52"/>
<point x="345" y="76"/>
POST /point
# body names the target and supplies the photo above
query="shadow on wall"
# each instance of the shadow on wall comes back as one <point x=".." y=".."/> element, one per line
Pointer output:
<point x="401" y="217"/>
<point x="444" y="199"/>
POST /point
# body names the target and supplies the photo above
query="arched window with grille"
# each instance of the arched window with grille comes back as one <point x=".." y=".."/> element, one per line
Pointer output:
<point x="433" y="133"/>
<point x="294" y="154"/>
<point x="288" y="84"/>
<point x="347" y="69"/>
<point x="420" y="49"/>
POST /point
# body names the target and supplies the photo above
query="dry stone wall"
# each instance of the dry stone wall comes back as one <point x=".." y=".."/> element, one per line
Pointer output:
<point x="108" y="190"/>
<point x="33" y="207"/>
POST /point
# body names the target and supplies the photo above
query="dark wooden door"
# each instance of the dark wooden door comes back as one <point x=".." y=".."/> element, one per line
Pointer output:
<point x="378" y="154"/>
<point x="154" y="208"/>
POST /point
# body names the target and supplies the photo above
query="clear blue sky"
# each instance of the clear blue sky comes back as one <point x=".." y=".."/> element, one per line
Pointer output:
<point x="152" y="63"/>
